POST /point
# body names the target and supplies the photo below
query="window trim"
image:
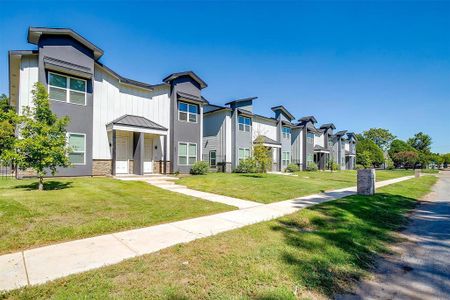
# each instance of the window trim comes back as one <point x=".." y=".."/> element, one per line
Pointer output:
<point x="286" y="135"/>
<point x="244" y="126"/>
<point x="283" y="159"/>
<point x="84" y="150"/>
<point x="244" y="149"/>
<point x="187" y="154"/>
<point x="187" y="112"/>
<point x="215" y="158"/>
<point x="68" y="89"/>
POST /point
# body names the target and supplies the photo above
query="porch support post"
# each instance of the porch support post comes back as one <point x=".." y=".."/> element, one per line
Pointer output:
<point x="165" y="155"/>
<point x="138" y="153"/>
<point x="113" y="152"/>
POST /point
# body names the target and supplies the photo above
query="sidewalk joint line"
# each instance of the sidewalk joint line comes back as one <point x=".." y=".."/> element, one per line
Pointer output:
<point x="25" y="266"/>
<point x="123" y="243"/>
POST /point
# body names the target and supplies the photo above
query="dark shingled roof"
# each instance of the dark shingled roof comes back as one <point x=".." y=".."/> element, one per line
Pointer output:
<point x="186" y="73"/>
<point x="320" y="148"/>
<point x="284" y="111"/>
<point x="137" y="121"/>
<point x="340" y="133"/>
<point x="328" y="125"/>
<point x="307" y="119"/>
<point x="267" y="140"/>
<point x="241" y="100"/>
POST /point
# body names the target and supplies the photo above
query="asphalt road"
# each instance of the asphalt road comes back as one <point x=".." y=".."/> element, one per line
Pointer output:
<point x="421" y="267"/>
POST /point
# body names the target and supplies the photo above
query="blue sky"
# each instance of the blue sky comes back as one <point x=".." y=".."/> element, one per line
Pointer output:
<point x="356" y="64"/>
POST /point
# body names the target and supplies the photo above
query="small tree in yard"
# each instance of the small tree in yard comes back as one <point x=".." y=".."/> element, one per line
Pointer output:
<point x="42" y="144"/>
<point x="364" y="159"/>
<point x="8" y="120"/>
<point x="407" y="159"/>
<point x="261" y="155"/>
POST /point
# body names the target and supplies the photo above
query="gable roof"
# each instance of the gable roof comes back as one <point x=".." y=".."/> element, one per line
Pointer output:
<point x="351" y="135"/>
<point x="308" y="119"/>
<point x="35" y="33"/>
<point x="267" y="140"/>
<point x="284" y="111"/>
<point x="191" y="74"/>
<point x="327" y="125"/>
<point x="340" y="133"/>
<point x="137" y="121"/>
<point x="241" y="100"/>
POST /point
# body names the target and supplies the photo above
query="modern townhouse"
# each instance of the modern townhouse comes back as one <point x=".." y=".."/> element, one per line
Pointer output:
<point x="117" y="125"/>
<point x="350" y="151"/>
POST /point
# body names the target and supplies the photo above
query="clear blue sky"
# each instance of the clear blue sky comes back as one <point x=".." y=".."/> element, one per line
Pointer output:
<point x="356" y="64"/>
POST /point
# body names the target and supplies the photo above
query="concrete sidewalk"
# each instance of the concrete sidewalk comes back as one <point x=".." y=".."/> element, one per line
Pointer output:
<point x="42" y="264"/>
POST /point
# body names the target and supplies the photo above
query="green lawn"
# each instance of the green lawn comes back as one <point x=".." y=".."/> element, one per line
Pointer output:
<point x="81" y="207"/>
<point x="316" y="252"/>
<point x="271" y="187"/>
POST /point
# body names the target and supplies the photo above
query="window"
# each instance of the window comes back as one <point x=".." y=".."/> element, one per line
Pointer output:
<point x="212" y="158"/>
<point x="187" y="112"/>
<point x="77" y="144"/>
<point x="330" y="144"/>
<point x="66" y="89"/>
<point x="245" y="123"/>
<point x="309" y="158"/>
<point x="310" y="138"/>
<point x="286" y="158"/>
<point x="187" y="153"/>
<point x="286" y="132"/>
<point x="244" y="153"/>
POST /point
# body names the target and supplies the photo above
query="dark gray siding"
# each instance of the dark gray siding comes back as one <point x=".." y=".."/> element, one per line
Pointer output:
<point x="81" y="117"/>
<point x="214" y="138"/>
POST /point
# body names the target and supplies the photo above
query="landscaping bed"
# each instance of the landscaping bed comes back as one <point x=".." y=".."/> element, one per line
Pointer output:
<point x="314" y="253"/>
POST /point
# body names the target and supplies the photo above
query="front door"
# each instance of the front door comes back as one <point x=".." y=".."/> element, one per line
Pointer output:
<point x="122" y="155"/>
<point x="148" y="155"/>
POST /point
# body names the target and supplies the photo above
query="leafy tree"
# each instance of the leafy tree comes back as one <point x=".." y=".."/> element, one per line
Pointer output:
<point x="376" y="154"/>
<point x="261" y="155"/>
<point x="421" y="142"/>
<point x="8" y="119"/>
<point x="437" y="160"/>
<point x="407" y="159"/>
<point x="399" y="146"/>
<point x="42" y="145"/>
<point x="364" y="159"/>
<point x="381" y="137"/>
<point x="446" y="158"/>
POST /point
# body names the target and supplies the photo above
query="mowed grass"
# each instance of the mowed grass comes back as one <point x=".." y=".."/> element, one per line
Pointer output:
<point x="266" y="188"/>
<point x="82" y="207"/>
<point x="314" y="253"/>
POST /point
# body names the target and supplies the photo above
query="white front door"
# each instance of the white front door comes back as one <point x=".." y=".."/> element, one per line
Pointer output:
<point x="122" y="155"/>
<point x="148" y="155"/>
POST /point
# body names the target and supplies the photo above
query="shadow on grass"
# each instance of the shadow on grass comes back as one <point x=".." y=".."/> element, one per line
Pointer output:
<point x="48" y="185"/>
<point x="254" y="175"/>
<point x="335" y="243"/>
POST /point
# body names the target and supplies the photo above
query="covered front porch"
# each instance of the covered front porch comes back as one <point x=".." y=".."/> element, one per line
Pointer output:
<point x="273" y="149"/>
<point x="138" y="146"/>
<point x="321" y="157"/>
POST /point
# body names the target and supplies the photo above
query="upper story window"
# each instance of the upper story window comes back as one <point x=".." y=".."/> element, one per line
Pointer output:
<point x="310" y="138"/>
<point x="286" y="132"/>
<point x="66" y="89"/>
<point x="330" y="144"/>
<point x="187" y="112"/>
<point x="245" y="123"/>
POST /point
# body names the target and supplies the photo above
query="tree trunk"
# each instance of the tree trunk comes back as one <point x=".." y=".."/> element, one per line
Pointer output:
<point x="41" y="183"/>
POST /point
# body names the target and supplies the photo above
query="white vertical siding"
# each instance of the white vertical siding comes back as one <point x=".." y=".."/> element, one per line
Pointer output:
<point x="319" y="140"/>
<point x="28" y="77"/>
<point x="228" y="137"/>
<point x="264" y="127"/>
<point x="347" y="146"/>
<point x="113" y="100"/>
<point x="301" y="146"/>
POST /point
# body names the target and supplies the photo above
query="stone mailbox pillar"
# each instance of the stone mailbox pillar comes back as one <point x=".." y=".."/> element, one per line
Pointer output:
<point x="417" y="173"/>
<point x="366" y="182"/>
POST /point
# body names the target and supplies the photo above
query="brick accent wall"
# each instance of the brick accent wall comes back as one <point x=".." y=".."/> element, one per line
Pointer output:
<point x="158" y="167"/>
<point x="101" y="167"/>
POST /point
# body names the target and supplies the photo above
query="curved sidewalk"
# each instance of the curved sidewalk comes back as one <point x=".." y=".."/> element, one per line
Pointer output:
<point x="39" y="265"/>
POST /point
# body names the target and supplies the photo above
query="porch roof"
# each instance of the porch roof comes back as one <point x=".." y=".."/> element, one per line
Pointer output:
<point x="136" y="124"/>
<point x="318" y="148"/>
<point x="268" y="142"/>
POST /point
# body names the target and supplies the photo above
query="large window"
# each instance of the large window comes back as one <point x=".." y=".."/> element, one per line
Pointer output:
<point x="245" y="124"/>
<point x="285" y="158"/>
<point x="187" y="112"/>
<point x="309" y="158"/>
<point x="77" y="144"/>
<point x="310" y="138"/>
<point x="66" y="89"/>
<point x="286" y="132"/>
<point x="187" y="153"/>
<point x="212" y="158"/>
<point x="244" y="153"/>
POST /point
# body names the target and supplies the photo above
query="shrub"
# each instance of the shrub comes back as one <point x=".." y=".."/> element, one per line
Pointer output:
<point x="200" y="168"/>
<point x="333" y="166"/>
<point x="247" y="165"/>
<point x="291" y="168"/>
<point x="359" y="167"/>
<point x="312" y="166"/>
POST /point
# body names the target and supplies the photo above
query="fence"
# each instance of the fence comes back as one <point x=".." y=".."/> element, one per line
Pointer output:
<point x="6" y="171"/>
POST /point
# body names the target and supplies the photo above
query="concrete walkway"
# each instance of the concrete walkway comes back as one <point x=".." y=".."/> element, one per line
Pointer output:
<point x="168" y="183"/>
<point x="420" y="268"/>
<point x="42" y="264"/>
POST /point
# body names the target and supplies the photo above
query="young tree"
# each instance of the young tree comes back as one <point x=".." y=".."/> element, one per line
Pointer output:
<point x="421" y="142"/>
<point x="376" y="154"/>
<point x="42" y="144"/>
<point x="364" y="159"/>
<point x="261" y="155"/>
<point x="8" y="119"/>
<point x="381" y="137"/>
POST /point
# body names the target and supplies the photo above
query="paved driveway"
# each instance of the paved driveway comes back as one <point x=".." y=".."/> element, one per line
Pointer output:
<point x="422" y="270"/>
